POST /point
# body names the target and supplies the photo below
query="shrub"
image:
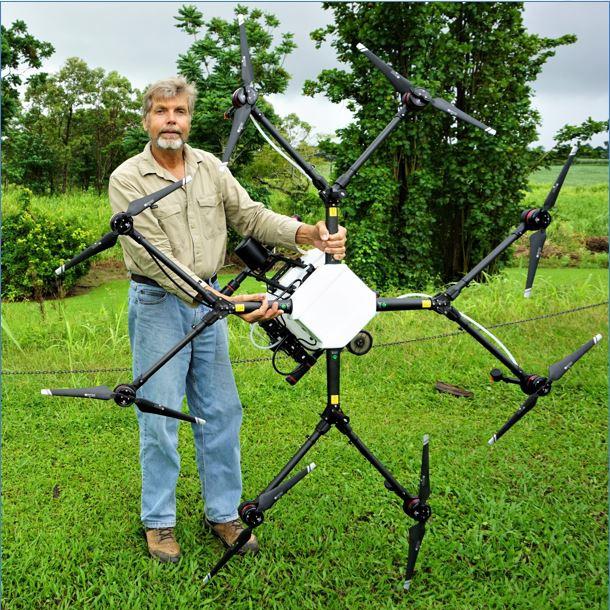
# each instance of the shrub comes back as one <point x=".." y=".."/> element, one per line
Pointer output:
<point x="34" y="244"/>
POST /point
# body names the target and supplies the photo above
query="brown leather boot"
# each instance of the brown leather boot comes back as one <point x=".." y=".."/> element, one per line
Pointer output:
<point x="162" y="544"/>
<point x="229" y="532"/>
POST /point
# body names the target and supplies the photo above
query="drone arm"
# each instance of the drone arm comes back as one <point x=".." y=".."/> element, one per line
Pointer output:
<point x="455" y="316"/>
<point x="453" y="291"/>
<point x="402" y="304"/>
<point x="345" y="179"/>
<point x="206" y="295"/>
<point x="207" y="320"/>
<point x="318" y="181"/>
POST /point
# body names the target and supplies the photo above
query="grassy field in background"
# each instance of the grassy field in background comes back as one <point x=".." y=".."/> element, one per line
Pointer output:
<point x="581" y="211"/>
<point x="519" y="525"/>
<point x="579" y="175"/>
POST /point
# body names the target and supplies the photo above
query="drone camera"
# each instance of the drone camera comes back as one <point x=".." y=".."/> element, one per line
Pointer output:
<point x="255" y="255"/>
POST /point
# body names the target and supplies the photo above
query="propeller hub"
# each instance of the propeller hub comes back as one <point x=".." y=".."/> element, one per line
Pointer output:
<point x="124" y="395"/>
<point x="251" y="95"/>
<point x="535" y="384"/>
<point x="239" y="98"/>
<point x="250" y="515"/>
<point x="418" y="510"/>
<point x="536" y="219"/>
<point x="121" y="223"/>
<point x="416" y="99"/>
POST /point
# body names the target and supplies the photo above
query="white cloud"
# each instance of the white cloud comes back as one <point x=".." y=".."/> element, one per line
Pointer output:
<point x="324" y="116"/>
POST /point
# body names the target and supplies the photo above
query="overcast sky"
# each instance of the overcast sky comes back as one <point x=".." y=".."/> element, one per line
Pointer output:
<point x="139" y="40"/>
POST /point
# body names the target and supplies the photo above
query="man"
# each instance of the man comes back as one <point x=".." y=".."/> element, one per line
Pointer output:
<point x="189" y="226"/>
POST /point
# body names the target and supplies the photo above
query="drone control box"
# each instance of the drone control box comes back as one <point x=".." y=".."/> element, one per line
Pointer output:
<point x="331" y="306"/>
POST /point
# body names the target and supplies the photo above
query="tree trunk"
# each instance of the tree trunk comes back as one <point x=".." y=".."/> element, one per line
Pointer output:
<point x="66" y="141"/>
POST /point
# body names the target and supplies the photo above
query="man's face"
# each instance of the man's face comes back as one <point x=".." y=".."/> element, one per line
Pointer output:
<point x="168" y="122"/>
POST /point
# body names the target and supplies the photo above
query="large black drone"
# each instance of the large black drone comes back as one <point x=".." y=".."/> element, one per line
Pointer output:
<point x="316" y="293"/>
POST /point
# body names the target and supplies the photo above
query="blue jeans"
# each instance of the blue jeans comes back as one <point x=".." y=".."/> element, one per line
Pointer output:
<point x="202" y="371"/>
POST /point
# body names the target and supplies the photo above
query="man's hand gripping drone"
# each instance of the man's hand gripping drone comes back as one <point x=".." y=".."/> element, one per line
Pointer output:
<point x="330" y="304"/>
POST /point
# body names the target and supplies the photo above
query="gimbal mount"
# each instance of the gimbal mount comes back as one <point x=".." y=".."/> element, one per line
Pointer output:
<point x="260" y="262"/>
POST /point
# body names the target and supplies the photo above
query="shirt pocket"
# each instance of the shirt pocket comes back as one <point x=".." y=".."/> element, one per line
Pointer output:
<point x="211" y="215"/>
<point x="166" y="209"/>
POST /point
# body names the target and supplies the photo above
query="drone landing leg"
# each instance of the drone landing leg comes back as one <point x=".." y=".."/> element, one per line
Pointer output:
<point x="251" y="511"/>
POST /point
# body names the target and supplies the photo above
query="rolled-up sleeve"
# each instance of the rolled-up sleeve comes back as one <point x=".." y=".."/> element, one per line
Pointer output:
<point x="251" y="218"/>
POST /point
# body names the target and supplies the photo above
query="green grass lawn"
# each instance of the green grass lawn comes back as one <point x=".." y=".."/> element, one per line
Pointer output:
<point x="579" y="175"/>
<point x="519" y="525"/>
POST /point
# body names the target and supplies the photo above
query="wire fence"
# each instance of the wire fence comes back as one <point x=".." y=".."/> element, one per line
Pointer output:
<point x="378" y="345"/>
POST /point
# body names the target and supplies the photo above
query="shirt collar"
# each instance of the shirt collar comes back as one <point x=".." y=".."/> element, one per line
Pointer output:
<point x="148" y="165"/>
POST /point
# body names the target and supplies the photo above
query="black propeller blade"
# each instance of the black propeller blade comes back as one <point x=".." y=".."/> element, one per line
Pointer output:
<point x="400" y="83"/>
<point x="265" y="501"/>
<point x="106" y="241"/>
<point x="103" y="392"/>
<point x="418" y="531"/>
<point x="556" y="371"/>
<point x="244" y="98"/>
<point x="422" y="97"/>
<point x="445" y="106"/>
<point x="247" y="73"/>
<point x="147" y="406"/>
<point x="139" y="205"/>
<point x="559" y="369"/>
<point x="537" y="239"/>
<point x="528" y="405"/>
<point x="551" y="198"/>
<point x="240" y="117"/>
<point x="109" y="239"/>
<point x="239" y="543"/>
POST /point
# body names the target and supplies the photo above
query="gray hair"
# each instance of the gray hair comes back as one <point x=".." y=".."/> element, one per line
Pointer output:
<point x="168" y="88"/>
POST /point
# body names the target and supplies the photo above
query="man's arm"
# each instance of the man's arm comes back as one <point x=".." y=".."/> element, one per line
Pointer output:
<point x="249" y="217"/>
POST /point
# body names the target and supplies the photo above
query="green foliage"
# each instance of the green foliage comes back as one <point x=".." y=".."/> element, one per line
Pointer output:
<point x="189" y="19"/>
<point x="20" y="52"/>
<point x="72" y="134"/>
<point x="445" y="192"/>
<point x="213" y="64"/>
<point x="580" y="134"/>
<point x="34" y="245"/>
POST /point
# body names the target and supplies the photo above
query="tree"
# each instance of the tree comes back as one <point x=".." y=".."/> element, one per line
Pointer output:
<point x="20" y="51"/>
<point x="114" y="114"/>
<point x="268" y="169"/>
<point x="212" y="63"/>
<point x="581" y="134"/>
<point x="439" y="194"/>
<point x="79" y="117"/>
<point x="189" y="19"/>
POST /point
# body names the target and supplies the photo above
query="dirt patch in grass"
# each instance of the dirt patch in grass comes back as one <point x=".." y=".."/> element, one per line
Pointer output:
<point x="111" y="269"/>
<point x="100" y="272"/>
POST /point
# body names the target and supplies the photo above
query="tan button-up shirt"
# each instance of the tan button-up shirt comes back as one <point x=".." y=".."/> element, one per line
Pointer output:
<point x="190" y="224"/>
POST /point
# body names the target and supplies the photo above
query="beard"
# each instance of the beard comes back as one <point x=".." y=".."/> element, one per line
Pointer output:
<point x="170" y="143"/>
